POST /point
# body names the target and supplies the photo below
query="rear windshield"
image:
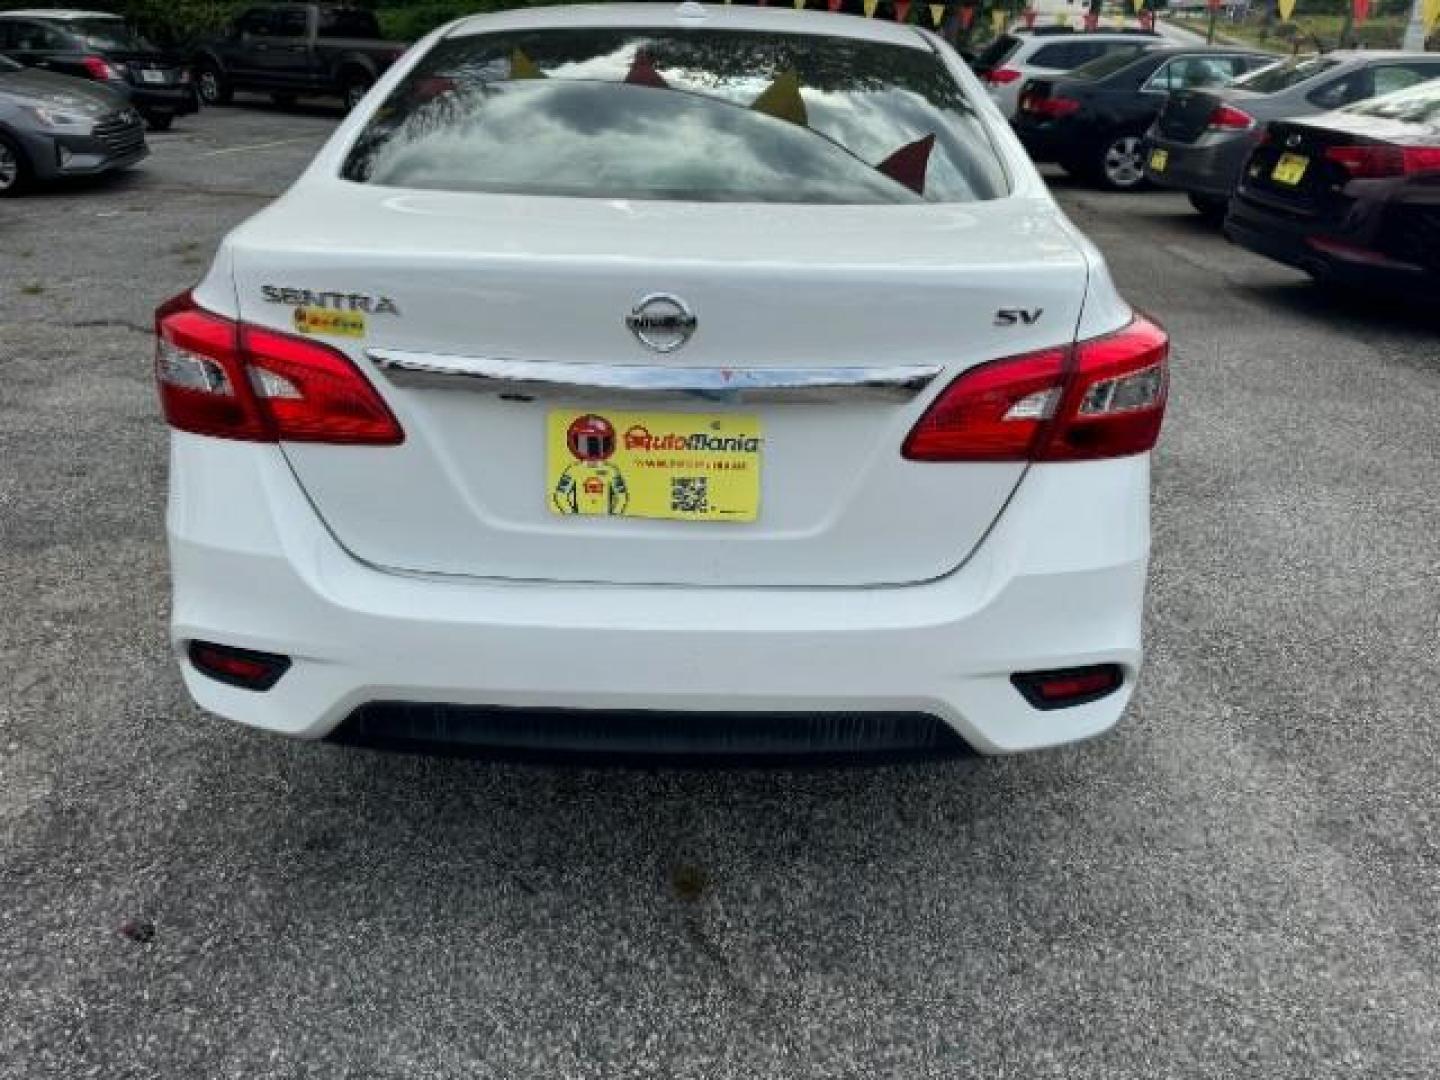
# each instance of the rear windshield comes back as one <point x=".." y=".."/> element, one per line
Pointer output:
<point x="107" y="34"/>
<point x="997" y="52"/>
<point x="1413" y="105"/>
<point x="1277" y="77"/>
<point x="718" y="116"/>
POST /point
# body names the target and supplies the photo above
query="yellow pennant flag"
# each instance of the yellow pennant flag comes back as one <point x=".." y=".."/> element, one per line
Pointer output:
<point x="870" y="6"/>
<point x="1286" y="9"/>
<point x="782" y="99"/>
<point x="1138" y="5"/>
<point x="1062" y="19"/>
<point x="799" y="4"/>
<point x="522" y="67"/>
<point x="1431" y="14"/>
<point x="937" y="14"/>
<point x="997" y="20"/>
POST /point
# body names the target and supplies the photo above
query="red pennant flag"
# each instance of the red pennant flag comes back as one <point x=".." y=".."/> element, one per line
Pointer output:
<point x="1029" y="16"/>
<point x="835" y="4"/>
<point x="908" y="164"/>
<point x="1092" y="21"/>
<point x="967" y="16"/>
<point x="1362" y="10"/>
<point x="643" y="73"/>
<point x="902" y="10"/>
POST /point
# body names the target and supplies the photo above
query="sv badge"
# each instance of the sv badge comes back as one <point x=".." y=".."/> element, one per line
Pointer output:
<point x="1018" y="316"/>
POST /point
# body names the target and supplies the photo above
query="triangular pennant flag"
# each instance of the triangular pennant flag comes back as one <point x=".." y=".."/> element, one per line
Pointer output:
<point x="967" y="17"/>
<point x="1029" y="16"/>
<point x="902" y="10"/>
<point x="799" y="4"/>
<point x="937" y="15"/>
<point x="907" y="165"/>
<point x="643" y="73"/>
<point x="782" y="99"/>
<point x="1092" y="22"/>
<point x="1362" y="10"/>
<point x="1430" y="14"/>
<point x="870" y="6"/>
<point x="1063" y="20"/>
<point x="835" y="4"/>
<point x="997" y="19"/>
<point x="1138" y="4"/>
<point x="1286" y="9"/>
<point x="522" y="67"/>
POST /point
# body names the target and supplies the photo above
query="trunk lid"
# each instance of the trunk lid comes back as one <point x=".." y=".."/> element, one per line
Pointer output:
<point x="542" y="281"/>
<point x="1187" y="112"/>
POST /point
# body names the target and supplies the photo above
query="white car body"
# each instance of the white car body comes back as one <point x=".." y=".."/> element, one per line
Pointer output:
<point x="433" y="573"/>
<point x="1028" y="60"/>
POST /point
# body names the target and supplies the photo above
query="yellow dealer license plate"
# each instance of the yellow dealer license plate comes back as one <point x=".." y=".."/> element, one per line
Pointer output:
<point x="678" y="466"/>
<point x="1290" y="169"/>
<point x="1159" y="159"/>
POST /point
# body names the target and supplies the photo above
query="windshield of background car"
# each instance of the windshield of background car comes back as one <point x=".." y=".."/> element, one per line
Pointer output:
<point x="1108" y="64"/>
<point x="7" y="66"/>
<point x="1277" y="77"/>
<point x="714" y="116"/>
<point x="106" y="34"/>
<point x="997" y="52"/>
<point x="1413" y="105"/>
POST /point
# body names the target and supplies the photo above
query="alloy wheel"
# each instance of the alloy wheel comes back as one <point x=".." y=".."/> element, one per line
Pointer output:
<point x="1124" y="166"/>
<point x="9" y="168"/>
<point x="210" y="87"/>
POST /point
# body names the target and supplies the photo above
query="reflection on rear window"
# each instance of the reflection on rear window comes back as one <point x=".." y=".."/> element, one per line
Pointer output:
<point x="1413" y="105"/>
<point x="695" y="115"/>
<point x="1277" y="77"/>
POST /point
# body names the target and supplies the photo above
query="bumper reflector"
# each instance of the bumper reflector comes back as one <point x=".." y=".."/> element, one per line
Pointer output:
<point x="245" y="668"/>
<point x="1069" y="686"/>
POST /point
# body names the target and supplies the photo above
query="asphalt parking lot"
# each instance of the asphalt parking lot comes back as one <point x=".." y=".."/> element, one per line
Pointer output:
<point x="1243" y="880"/>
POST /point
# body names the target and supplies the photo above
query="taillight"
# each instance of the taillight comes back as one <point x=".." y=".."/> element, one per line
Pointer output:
<point x="1095" y="399"/>
<point x="1379" y="161"/>
<point x="223" y="378"/>
<point x="1052" y="107"/>
<point x="1229" y="118"/>
<point x="99" y="69"/>
<point x="1000" y="76"/>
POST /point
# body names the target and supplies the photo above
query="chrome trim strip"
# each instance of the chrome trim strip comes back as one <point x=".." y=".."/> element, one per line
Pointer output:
<point x="535" y="378"/>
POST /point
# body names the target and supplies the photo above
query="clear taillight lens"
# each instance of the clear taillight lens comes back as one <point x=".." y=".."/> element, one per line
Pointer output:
<point x="223" y="378"/>
<point x="1099" y="398"/>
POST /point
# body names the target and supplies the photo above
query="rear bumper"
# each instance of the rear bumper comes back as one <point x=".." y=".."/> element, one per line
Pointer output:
<point x="172" y="100"/>
<point x="1349" y="259"/>
<point x="1210" y="167"/>
<point x="1058" y="583"/>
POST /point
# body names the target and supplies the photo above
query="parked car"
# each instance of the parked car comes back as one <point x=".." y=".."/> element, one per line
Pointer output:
<point x="1203" y="138"/>
<point x="819" y="427"/>
<point x="297" y="50"/>
<point x="100" y="46"/>
<point x="1093" y="121"/>
<point x="1014" y="58"/>
<point x="54" y="126"/>
<point x="1350" y="196"/>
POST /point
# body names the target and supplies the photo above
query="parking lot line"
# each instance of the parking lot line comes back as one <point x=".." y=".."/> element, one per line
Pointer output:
<point x="253" y="146"/>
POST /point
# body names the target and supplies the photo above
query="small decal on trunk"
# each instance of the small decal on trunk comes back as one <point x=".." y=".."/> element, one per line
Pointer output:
<point x="309" y="320"/>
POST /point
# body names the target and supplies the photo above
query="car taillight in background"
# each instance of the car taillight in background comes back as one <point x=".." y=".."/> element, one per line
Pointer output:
<point x="101" y="70"/>
<point x="1100" y="398"/>
<point x="999" y="76"/>
<point x="1229" y="118"/>
<point x="224" y="378"/>
<point x="1380" y="161"/>
<point x="1052" y="108"/>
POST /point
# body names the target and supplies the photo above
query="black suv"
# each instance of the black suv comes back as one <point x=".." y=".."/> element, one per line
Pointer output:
<point x="97" y="46"/>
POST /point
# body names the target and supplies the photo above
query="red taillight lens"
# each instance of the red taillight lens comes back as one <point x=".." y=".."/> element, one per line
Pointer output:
<point x="1380" y="161"/>
<point x="1229" y="118"/>
<point x="1099" y="398"/>
<point x="1052" y="108"/>
<point x="97" y="68"/>
<point x="222" y="378"/>
<point x="245" y="668"/>
<point x="1070" y="686"/>
<point x="1000" y="76"/>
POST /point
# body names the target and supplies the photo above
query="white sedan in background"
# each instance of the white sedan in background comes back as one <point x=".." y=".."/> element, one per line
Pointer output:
<point x="636" y="378"/>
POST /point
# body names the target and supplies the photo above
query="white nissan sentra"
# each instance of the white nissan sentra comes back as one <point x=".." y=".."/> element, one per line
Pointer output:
<point x="651" y="378"/>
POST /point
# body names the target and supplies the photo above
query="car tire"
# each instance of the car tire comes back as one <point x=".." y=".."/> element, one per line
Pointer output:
<point x="14" y="167"/>
<point x="159" y="121"/>
<point x="213" y="87"/>
<point x="354" y="85"/>
<point x="1210" y="207"/>
<point x="1120" y="163"/>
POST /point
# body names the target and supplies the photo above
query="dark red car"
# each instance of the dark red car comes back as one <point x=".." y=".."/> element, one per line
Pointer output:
<point x="1350" y="196"/>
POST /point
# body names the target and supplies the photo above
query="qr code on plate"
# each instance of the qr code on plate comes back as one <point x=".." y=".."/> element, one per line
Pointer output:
<point x="689" y="494"/>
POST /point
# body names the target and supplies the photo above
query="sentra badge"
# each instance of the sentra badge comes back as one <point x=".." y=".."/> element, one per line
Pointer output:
<point x="330" y="301"/>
